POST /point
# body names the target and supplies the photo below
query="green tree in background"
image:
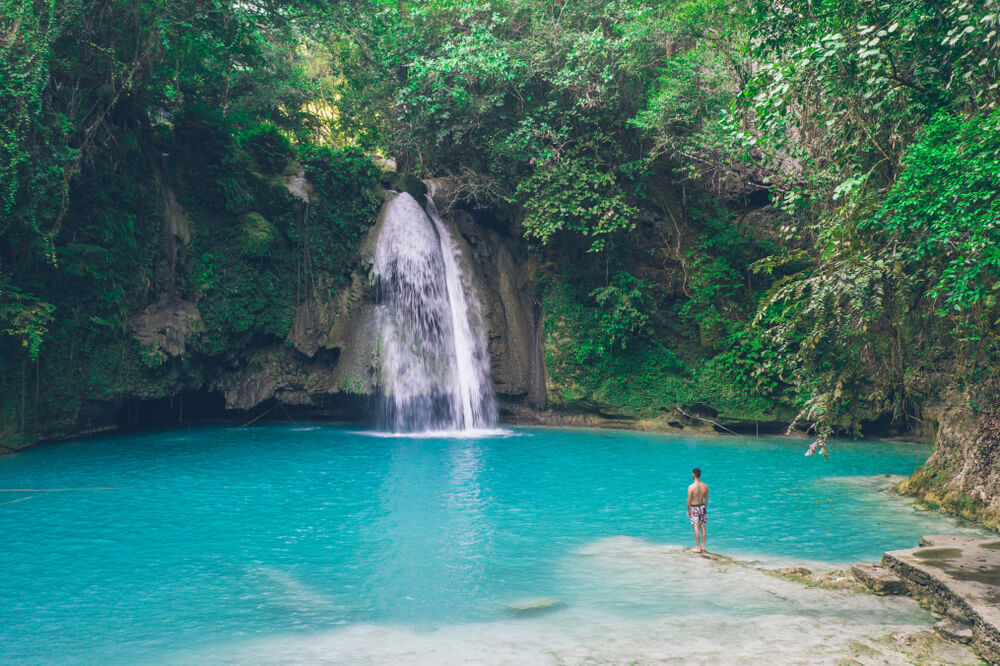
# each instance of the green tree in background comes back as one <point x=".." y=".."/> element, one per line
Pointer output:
<point x="111" y="108"/>
<point x="775" y="211"/>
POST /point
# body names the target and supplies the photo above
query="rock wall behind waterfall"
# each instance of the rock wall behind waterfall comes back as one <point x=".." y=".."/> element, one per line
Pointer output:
<point x="505" y="281"/>
<point x="329" y="362"/>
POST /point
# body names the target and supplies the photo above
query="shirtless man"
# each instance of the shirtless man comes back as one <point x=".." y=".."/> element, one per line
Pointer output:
<point x="697" y="509"/>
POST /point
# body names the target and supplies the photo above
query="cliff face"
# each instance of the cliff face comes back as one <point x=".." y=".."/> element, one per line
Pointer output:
<point x="962" y="476"/>
<point x="175" y="354"/>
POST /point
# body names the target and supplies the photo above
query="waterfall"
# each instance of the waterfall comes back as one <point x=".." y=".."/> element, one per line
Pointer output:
<point x="434" y="372"/>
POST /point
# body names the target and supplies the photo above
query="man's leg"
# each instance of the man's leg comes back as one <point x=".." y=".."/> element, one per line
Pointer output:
<point x="704" y="537"/>
<point x="697" y="538"/>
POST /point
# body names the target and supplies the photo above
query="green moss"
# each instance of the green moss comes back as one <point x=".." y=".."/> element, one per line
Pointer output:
<point x="268" y="148"/>
<point x="258" y="234"/>
<point x="930" y="486"/>
<point x="404" y="182"/>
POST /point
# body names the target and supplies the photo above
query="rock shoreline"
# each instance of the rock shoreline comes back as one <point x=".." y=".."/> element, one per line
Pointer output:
<point x="903" y="646"/>
<point x="957" y="578"/>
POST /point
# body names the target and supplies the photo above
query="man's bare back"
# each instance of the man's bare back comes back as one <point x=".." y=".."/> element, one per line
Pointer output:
<point x="697" y="493"/>
<point x="697" y="509"/>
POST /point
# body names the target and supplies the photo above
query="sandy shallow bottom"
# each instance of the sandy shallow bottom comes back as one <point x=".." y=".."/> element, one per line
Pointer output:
<point x="639" y="603"/>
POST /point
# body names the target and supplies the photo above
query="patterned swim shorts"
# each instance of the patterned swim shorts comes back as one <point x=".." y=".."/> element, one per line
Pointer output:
<point x="699" y="514"/>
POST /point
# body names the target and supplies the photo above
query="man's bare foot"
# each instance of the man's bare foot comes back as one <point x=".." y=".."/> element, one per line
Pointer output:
<point x="700" y="549"/>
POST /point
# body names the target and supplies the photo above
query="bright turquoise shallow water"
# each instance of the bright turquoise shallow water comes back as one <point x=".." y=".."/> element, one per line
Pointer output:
<point x="284" y="543"/>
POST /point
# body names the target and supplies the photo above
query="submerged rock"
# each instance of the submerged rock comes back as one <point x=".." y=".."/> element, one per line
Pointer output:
<point x="715" y="557"/>
<point x="827" y="580"/>
<point x="532" y="606"/>
<point x="794" y="571"/>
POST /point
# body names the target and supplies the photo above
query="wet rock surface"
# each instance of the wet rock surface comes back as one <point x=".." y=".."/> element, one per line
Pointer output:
<point x="534" y="606"/>
<point x="908" y="647"/>
<point x="511" y="311"/>
<point x="954" y="631"/>
<point x="331" y="352"/>
<point x="960" y="578"/>
<point x="827" y="580"/>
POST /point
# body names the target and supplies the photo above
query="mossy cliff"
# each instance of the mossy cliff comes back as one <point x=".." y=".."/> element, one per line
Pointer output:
<point x="180" y="268"/>
<point x="241" y="290"/>
<point x="962" y="476"/>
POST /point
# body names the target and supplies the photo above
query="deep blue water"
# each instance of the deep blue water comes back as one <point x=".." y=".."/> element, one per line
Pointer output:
<point x="196" y="545"/>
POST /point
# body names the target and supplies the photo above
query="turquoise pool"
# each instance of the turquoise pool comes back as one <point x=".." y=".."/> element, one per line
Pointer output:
<point x="279" y="544"/>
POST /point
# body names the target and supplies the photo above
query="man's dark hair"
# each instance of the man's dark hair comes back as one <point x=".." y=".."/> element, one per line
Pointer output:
<point x="696" y="472"/>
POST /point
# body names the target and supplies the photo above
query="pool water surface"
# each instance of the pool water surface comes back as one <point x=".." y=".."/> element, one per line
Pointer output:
<point x="308" y="544"/>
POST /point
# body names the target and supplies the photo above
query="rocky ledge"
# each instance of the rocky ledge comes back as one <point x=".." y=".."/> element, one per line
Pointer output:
<point x="958" y="577"/>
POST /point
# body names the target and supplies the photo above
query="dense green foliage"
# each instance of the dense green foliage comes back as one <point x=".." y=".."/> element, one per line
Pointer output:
<point x="773" y="211"/>
<point x="640" y="144"/>
<point x="145" y="158"/>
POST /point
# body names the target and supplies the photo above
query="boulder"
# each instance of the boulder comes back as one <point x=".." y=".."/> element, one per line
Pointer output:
<point x="404" y="182"/>
<point x="794" y="571"/>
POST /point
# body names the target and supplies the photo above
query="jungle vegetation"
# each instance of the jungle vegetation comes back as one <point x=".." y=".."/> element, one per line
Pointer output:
<point x="779" y="210"/>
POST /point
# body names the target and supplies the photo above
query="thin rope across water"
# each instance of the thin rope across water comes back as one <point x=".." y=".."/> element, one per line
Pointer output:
<point x="53" y="490"/>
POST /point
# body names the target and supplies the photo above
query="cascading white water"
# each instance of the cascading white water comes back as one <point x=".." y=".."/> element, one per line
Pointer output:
<point x="472" y="364"/>
<point x="434" y="364"/>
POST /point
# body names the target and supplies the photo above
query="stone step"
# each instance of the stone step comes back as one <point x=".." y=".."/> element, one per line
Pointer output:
<point x="878" y="579"/>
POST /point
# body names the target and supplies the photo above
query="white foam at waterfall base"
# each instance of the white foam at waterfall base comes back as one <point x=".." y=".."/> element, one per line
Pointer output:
<point x="434" y="373"/>
<point x="472" y="433"/>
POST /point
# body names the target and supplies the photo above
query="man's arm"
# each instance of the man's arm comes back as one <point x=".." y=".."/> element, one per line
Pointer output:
<point x="688" y="507"/>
